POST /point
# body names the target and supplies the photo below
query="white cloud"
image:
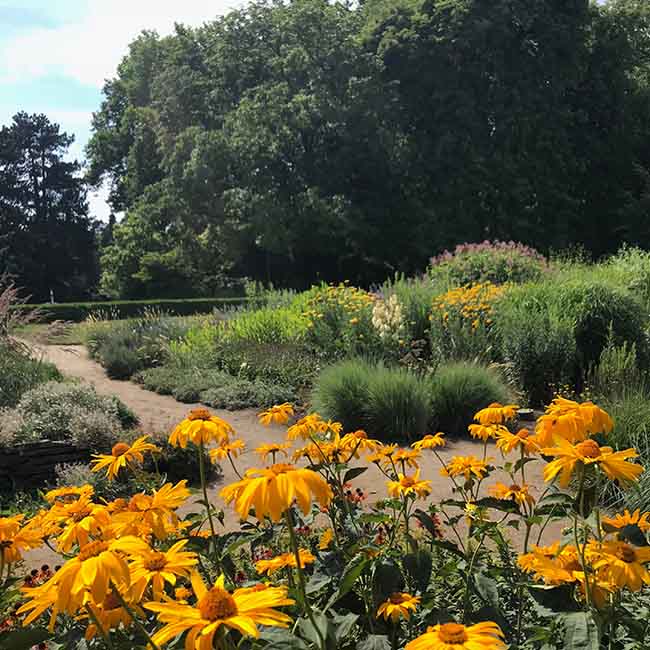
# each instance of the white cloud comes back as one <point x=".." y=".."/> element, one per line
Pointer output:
<point x="89" y="50"/>
<point x="98" y="207"/>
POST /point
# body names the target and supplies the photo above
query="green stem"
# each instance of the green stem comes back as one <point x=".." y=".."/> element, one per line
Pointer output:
<point x="204" y="487"/>
<point x="133" y="616"/>
<point x="98" y="625"/>
<point x="301" y="579"/>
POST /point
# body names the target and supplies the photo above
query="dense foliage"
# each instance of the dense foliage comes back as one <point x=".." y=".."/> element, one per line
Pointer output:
<point x="294" y="142"/>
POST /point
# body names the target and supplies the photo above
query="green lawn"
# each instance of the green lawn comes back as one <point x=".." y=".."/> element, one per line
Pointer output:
<point x="69" y="334"/>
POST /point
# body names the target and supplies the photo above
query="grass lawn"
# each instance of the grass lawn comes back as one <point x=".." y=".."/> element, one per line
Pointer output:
<point x="69" y="334"/>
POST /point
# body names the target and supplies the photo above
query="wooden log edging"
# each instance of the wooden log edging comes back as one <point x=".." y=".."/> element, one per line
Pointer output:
<point x="31" y="465"/>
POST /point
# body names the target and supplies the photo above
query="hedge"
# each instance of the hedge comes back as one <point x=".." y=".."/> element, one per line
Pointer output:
<point x="79" y="311"/>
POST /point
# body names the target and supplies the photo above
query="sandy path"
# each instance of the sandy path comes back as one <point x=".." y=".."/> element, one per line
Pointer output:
<point x="161" y="413"/>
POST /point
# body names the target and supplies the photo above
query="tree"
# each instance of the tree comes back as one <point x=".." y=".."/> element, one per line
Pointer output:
<point x="48" y="242"/>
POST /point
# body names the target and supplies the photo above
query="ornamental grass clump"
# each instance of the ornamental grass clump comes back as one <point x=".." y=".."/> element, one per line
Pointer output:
<point x="316" y="563"/>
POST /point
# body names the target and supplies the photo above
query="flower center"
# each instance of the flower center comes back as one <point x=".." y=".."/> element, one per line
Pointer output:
<point x="396" y="598"/>
<point x="574" y="565"/>
<point x="588" y="449"/>
<point x="199" y="414"/>
<point x="523" y="434"/>
<point x="514" y="488"/>
<point x="452" y="633"/>
<point x="111" y="602"/>
<point x="626" y="553"/>
<point x="217" y="605"/>
<point x="408" y="481"/>
<point x="155" y="562"/>
<point x="119" y="449"/>
<point x="80" y="514"/>
<point x="281" y="468"/>
<point x="93" y="549"/>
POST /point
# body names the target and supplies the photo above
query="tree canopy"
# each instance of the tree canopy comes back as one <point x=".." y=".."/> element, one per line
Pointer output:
<point x="47" y="241"/>
<point x="305" y="140"/>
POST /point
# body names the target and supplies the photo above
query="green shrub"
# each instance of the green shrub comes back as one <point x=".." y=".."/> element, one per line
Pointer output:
<point x="239" y="394"/>
<point x="617" y="372"/>
<point x="458" y="390"/>
<point x="537" y="343"/>
<point x="20" y="372"/>
<point x="398" y="405"/>
<point x="122" y="309"/>
<point x="267" y="325"/>
<point x="389" y="403"/>
<point x="67" y="411"/>
<point x="497" y="262"/>
<point x="416" y="296"/>
<point x="342" y="392"/>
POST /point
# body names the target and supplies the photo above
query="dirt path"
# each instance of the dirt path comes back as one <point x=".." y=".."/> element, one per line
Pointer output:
<point x="161" y="413"/>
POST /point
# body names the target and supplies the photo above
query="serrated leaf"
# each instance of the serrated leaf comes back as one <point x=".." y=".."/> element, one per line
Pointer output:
<point x="487" y="589"/>
<point x="374" y="642"/>
<point x="351" y="573"/>
<point x="497" y="504"/>
<point x="580" y="632"/>
<point x="343" y="625"/>
<point x="425" y="519"/>
<point x="352" y="473"/>
<point x="279" y="639"/>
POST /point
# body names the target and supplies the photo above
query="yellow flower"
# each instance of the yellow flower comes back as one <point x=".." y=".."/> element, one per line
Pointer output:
<point x="399" y="605"/>
<point x="111" y="614"/>
<point x="623" y="564"/>
<point x="200" y="427"/>
<point x="326" y="539"/>
<point x="518" y="493"/>
<point x="16" y="538"/>
<point x="272" y="449"/>
<point x="496" y="413"/>
<point x="508" y="442"/>
<point x="122" y="455"/>
<point x="485" y="431"/>
<point x="627" y="519"/>
<point x="69" y="493"/>
<point x="408" y="457"/>
<point x="357" y="441"/>
<point x="406" y="485"/>
<point x="283" y="561"/>
<point x="467" y="466"/>
<point x="553" y="564"/>
<point x="243" y="610"/>
<point x="158" y="567"/>
<point x="572" y="421"/>
<point x="272" y="490"/>
<point x="588" y="452"/>
<point x="308" y="426"/>
<point x="227" y="448"/>
<point x="278" y="414"/>
<point x="383" y="455"/>
<point x="430" y="442"/>
<point x="454" y="636"/>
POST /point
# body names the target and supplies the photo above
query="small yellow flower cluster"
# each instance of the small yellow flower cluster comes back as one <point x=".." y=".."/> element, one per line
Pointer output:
<point x="337" y="298"/>
<point x="472" y="303"/>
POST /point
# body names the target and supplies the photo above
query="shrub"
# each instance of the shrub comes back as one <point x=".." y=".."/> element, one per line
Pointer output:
<point x="460" y="389"/>
<point x="498" y="262"/>
<point x="238" y="394"/>
<point x="617" y="372"/>
<point x="19" y="372"/>
<point x="462" y="321"/>
<point x="389" y="403"/>
<point x="71" y="411"/>
<point x="342" y="391"/>
<point x="267" y="325"/>
<point x="398" y="405"/>
<point x="537" y="344"/>
<point x="416" y="297"/>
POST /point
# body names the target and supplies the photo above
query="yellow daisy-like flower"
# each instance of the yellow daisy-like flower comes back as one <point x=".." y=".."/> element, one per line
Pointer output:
<point x="522" y="440"/>
<point x="326" y="539"/>
<point x="200" y="427"/>
<point x="272" y="490"/>
<point x="430" y="441"/>
<point x="399" y="605"/>
<point x="613" y="463"/>
<point x="485" y="432"/>
<point x="278" y="414"/>
<point x="111" y="613"/>
<point x="357" y="441"/>
<point x="122" y="455"/>
<point x="68" y="493"/>
<point x="407" y="457"/>
<point x="623" y="564"/>
<point x="553" y="564"/>
<point x="272" y="449"/>
<point x="155" y="568"/>
<point x="227" y="448"/>
<point x="454" y="636"/>
<point x="309" y="426"/>
<point x="468" y="466"/>
<point x="78" y="521"/>
<point x="15" y="538"/>
<point x="383" y="455"/>
<point x="572" y="421"/>
<point x="520" y="494"/>
<point x="243" y="610"/>
<point x="283" y="561"/>
<point x="496" y="413"/>
<point x="629" y="519"/>
<point x="407" y="485"/>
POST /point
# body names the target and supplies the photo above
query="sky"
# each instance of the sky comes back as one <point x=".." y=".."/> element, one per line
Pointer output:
<point x="56" y="54"/>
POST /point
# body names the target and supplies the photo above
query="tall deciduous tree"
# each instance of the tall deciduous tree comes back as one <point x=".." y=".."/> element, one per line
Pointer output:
<point x="47" y="240"/>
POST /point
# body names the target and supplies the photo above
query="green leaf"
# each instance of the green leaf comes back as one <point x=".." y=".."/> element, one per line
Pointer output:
<point x="425" y="519"/>
<point x="351" y="573"/>
<point x="497" y="504"/>
<point x="418" y="566"/>
<point x="386" y="580"/>
<point x="374" y="518"/>
<point x="448" y="546"/>
<point x="522" y="462"/>
<point x="23" y="639"/>
<point x="557" y="599"/>
<point x="374" y="642"/>
<point x="580" y="632"/>
<point x="323" y="624"/>
<point x="487" y="589"/>
<point x="279" y="639"/>
<point x="343" y="625"/>
<point x="633" y="534"/>
<point x="352" y="473"/>
<point x="317" y="581"/>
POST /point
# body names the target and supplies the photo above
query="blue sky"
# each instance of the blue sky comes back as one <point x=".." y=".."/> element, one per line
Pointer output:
<point x="56" y="55"/>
